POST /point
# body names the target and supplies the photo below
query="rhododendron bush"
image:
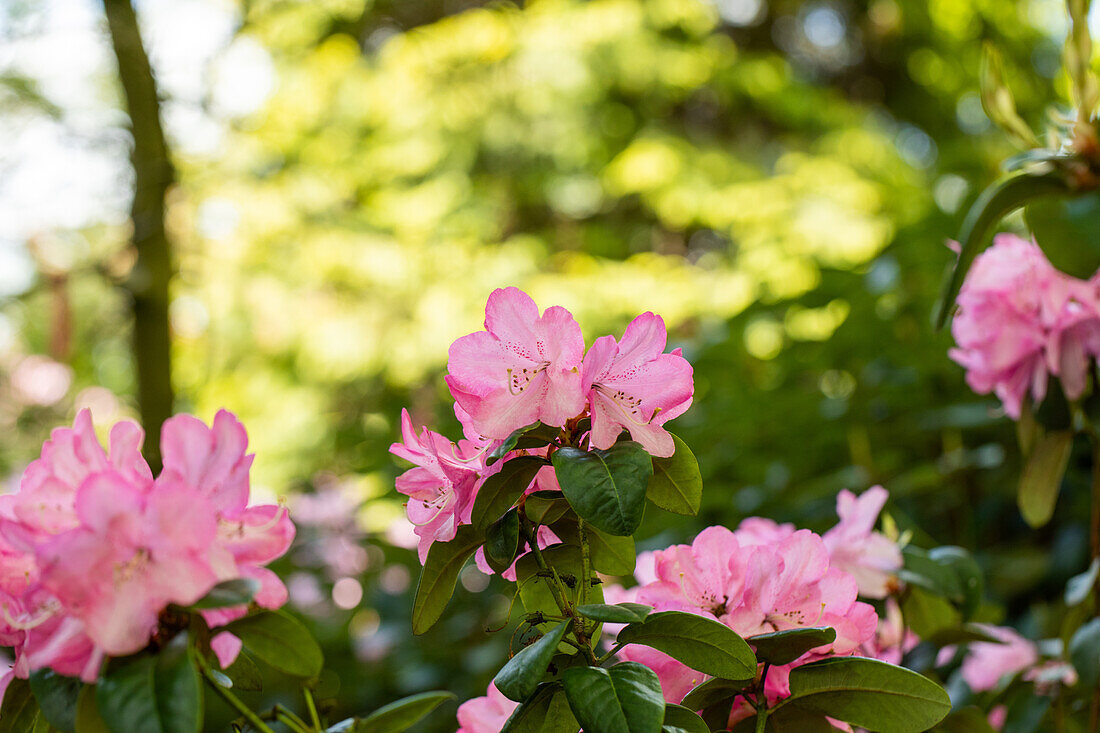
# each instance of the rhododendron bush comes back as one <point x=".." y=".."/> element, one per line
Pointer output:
<point x="764" y="626"/>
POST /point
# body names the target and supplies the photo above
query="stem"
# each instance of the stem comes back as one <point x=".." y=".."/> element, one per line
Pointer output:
<point x="761" y="720"/>
<point x="312" y="709"/>
<point x="557" y="590"/>
<point x="234" y="701"/>
<point x="290" y="720"/>
<point x="153" y="175"/>
<point x="586" y="563"/>
<point x="614" y="650"/>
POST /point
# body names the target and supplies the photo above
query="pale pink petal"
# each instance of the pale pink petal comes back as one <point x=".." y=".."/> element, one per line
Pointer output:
<point x="226" y="647"/>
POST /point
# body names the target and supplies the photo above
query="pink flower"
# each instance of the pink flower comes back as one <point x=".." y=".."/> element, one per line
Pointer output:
<point x="986" y="663"/>
<point x="892" y="640"/>
<point x="213" y="460"/>
<point x="521" y="369"/>
<point x="441" y="488"/>
<point x="135" y="552"/>
<point x="485" y="714"/>
<point x="1020" y="319"/>
<point x="632" y="384"/>
<point x="761" y="531"/>
<point x="853" y="545"/>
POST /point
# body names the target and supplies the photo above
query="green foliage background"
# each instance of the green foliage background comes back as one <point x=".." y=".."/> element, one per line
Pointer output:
<point x="782" y="203"/>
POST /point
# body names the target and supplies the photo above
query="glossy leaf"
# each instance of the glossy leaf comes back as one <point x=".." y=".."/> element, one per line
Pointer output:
<point x="545" y="507"/>
<point x="995" y="202"/>
<point x="700" y="643"/>
<point x="148" y="694"/>
<point x="56" y="696"/>
<point x="610" y="554"/>
<point x="620" y="613"/>
<point x="401" y="715"/>
<point x="88" y="719"/>
<point x="623" y="699"/>
<point x="19" y="712"/>
<point x="244" y="674"/>
<point x="502" y="541"/>
<point x="439" y="575"/>
<point x="788" y="720"/>
<point x="713" y="692"/>
<point x="547" y="711"/>
<point x="783" y="647"/>
<point x="281" y="641"/>
<point x="677" y="485"/>
<point x="927" y="614"/>
<point x="509" y="444"/>
<point x="518" y="678"/>
<point x="237" y="592"/>
<point x="606" y="487"/>
<point x="1084" y="652"/>
<point x="684" y="719"/>
<point x="968" y="576"/>
<point x="501" y="490"/>
<point x="1042" y="477"/>
<point x="1079" y="587"/>
<point x="869" y="694"/>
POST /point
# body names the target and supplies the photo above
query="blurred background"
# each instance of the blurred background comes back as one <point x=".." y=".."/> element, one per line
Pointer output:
<point x="347" y="180"/>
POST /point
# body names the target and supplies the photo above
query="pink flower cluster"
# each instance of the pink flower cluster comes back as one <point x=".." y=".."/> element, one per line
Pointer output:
<point x="526" y="368"/>
<point x="93" y="548"/>
<point x="1021" y="320"/>
<point x="987" y="663"/>
<point x="761" y="578"/>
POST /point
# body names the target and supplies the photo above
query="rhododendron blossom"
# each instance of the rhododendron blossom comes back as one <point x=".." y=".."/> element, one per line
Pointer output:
<point x="632" y="384"/>
<point x="485" y="714"/>
<point x="987" y="663"/>
<point x="870" y="557"/>
<point x="441" y="487"/>
<point x="523" y="368"/>
<point x="93" y="549"/>
<point x="1020" y="320"/>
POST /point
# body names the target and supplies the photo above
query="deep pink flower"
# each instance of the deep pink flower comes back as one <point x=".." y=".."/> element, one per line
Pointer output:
<point x="442" y="486"/>
<point x="521" y="369"/>
<point x="485" y="714"/>
<point x="632" y="384"/>
<point x="856" y="548"/>
<point x="1020" y="319"/>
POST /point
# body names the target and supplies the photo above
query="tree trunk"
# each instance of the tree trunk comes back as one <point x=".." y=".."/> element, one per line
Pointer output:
<point x="153" y="174"/>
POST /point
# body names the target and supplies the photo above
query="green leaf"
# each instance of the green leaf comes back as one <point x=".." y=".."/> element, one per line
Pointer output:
<point x="610" y="554"/>
<point x="713" y="692"/>
<point x="19" y="712"/>
<point x="547" y="711"/>
<point x="518" y="678"/>
<point x="927" y="614"/>
<point x="1042" y="477"/>
<point x="783" y="647"/>
<point x="677" y="485"/>
<point x="228" y="593"/>
<point x="281" y="641"/>
<point x="244" y="673"/>
<point x="88" y="719"/>
<point x="401" y="715"/>
<point x="502" y="541"/>
<point x="1079" y="587"/>
<point x="153" y="694"/>
<point x="1067" y="231"/>
<point x="545" y="507"/>
<point x="509" y="444"/>
<point x="440" y="573"/>
<point x="968" y="576"/>
<point x="1084" y="652"/>
<point x="701" y="643"/>
<point x="995" y="202"/>
<point x="788" y="720"/>
<point x="56" y="696"/>
<point x="534" y="589"/>
<point x="620" y="613"/>
<point x="626" y="698"/>
<point x="1026" y="712"/>
<point x="921" y="570"/>
<point x="501" y="490"/>
<point x="965" y="634"/>
<point x="606" y="487"/>
<point x="680" y="717"/>
<point x="869" y="694"/>
<point x="178" y="688"/>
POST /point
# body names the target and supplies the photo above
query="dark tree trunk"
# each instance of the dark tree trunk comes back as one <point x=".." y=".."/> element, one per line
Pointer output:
<point x="153" y="174"/>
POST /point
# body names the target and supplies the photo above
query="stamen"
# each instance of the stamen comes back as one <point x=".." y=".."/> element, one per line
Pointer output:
<point x="27" y="623"/>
